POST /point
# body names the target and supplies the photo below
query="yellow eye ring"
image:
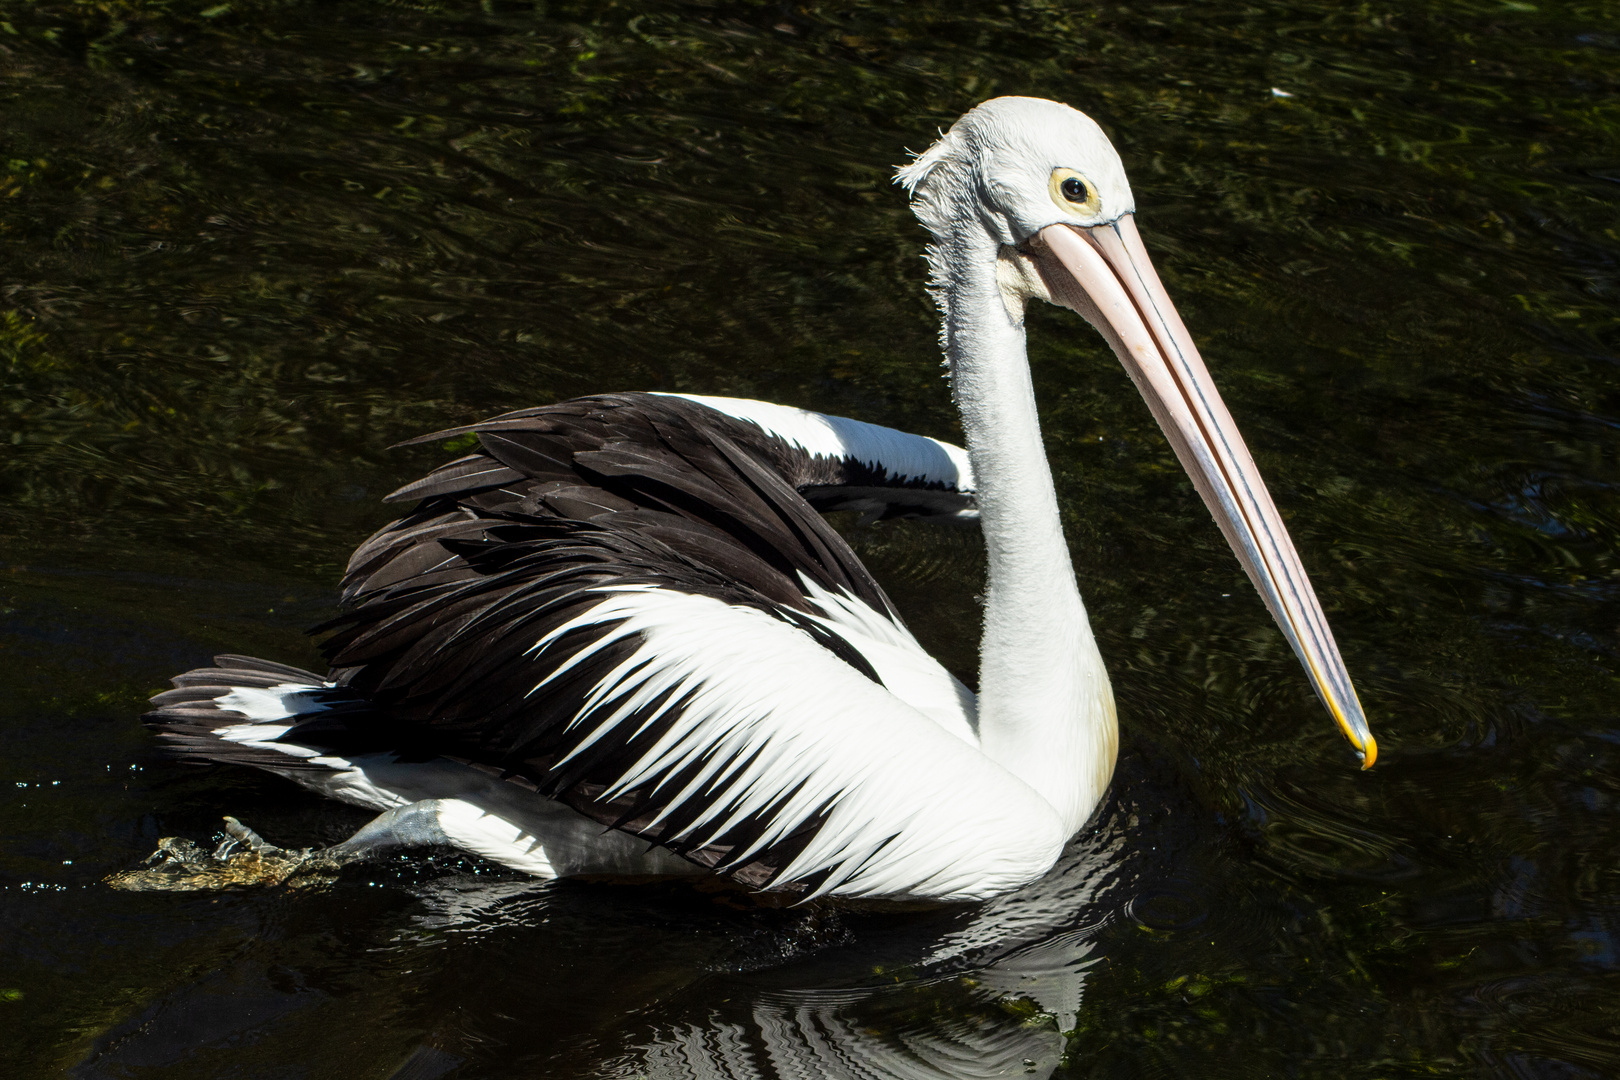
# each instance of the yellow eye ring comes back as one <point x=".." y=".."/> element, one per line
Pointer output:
<point x="1074" y="193"/>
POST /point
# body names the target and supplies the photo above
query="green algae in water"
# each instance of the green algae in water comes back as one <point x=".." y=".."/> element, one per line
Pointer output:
<point x="246" y="248"/>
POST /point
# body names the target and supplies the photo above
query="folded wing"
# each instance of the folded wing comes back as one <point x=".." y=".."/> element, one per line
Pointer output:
<point x="625" y="603"/>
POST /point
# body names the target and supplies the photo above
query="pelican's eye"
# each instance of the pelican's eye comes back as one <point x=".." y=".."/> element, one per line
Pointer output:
<point x="1071" y="192"/>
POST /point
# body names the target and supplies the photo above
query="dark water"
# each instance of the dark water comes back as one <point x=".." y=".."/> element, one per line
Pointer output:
<point x="247" y="246"/>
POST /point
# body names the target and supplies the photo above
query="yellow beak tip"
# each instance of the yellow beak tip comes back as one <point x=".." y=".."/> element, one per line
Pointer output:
<point x="1369" y="754"/>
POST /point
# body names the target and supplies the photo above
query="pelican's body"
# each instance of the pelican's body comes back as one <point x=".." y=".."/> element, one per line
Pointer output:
<point x="619" y="639"/>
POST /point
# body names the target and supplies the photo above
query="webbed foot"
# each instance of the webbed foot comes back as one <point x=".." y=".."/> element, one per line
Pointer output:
<point x="242" y="858"/>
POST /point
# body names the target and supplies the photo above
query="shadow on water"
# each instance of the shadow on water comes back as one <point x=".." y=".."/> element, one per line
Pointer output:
<point x="246" y="247"/>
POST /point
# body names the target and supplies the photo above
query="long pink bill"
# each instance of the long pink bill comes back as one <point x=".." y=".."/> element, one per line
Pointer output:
<point x="1105" y="274"/>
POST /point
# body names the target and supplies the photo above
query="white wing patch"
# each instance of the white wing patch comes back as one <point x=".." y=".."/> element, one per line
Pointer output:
<point x="774" y="725"/>
<point x="899" y="660"/>
<point x="903" y="455"/>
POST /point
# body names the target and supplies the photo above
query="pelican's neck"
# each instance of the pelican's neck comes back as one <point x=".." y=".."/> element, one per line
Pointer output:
<point x="1046" y="711"/>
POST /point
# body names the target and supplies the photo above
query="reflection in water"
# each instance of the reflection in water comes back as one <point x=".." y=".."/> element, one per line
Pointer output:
<point x="830" y="991"/>
<point x="812" y="1039"/>
<point x="1027" y="958"/>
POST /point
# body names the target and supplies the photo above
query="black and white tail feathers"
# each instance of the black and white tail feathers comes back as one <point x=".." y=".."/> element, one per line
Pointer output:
<point x="245" y="711"/>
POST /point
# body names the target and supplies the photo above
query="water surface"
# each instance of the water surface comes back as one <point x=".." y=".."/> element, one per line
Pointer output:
<point x="246" y="247"/>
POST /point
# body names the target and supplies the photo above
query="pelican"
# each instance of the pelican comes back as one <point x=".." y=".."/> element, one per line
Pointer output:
<point x="618" y="638"/>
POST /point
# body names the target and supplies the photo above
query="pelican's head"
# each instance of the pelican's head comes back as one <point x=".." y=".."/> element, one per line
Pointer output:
<point x="1025" y="164"/>
<point x="1042" y="184"/>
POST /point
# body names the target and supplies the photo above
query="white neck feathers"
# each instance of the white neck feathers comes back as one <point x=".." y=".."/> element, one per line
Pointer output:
<point x="1046" y="710"/>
